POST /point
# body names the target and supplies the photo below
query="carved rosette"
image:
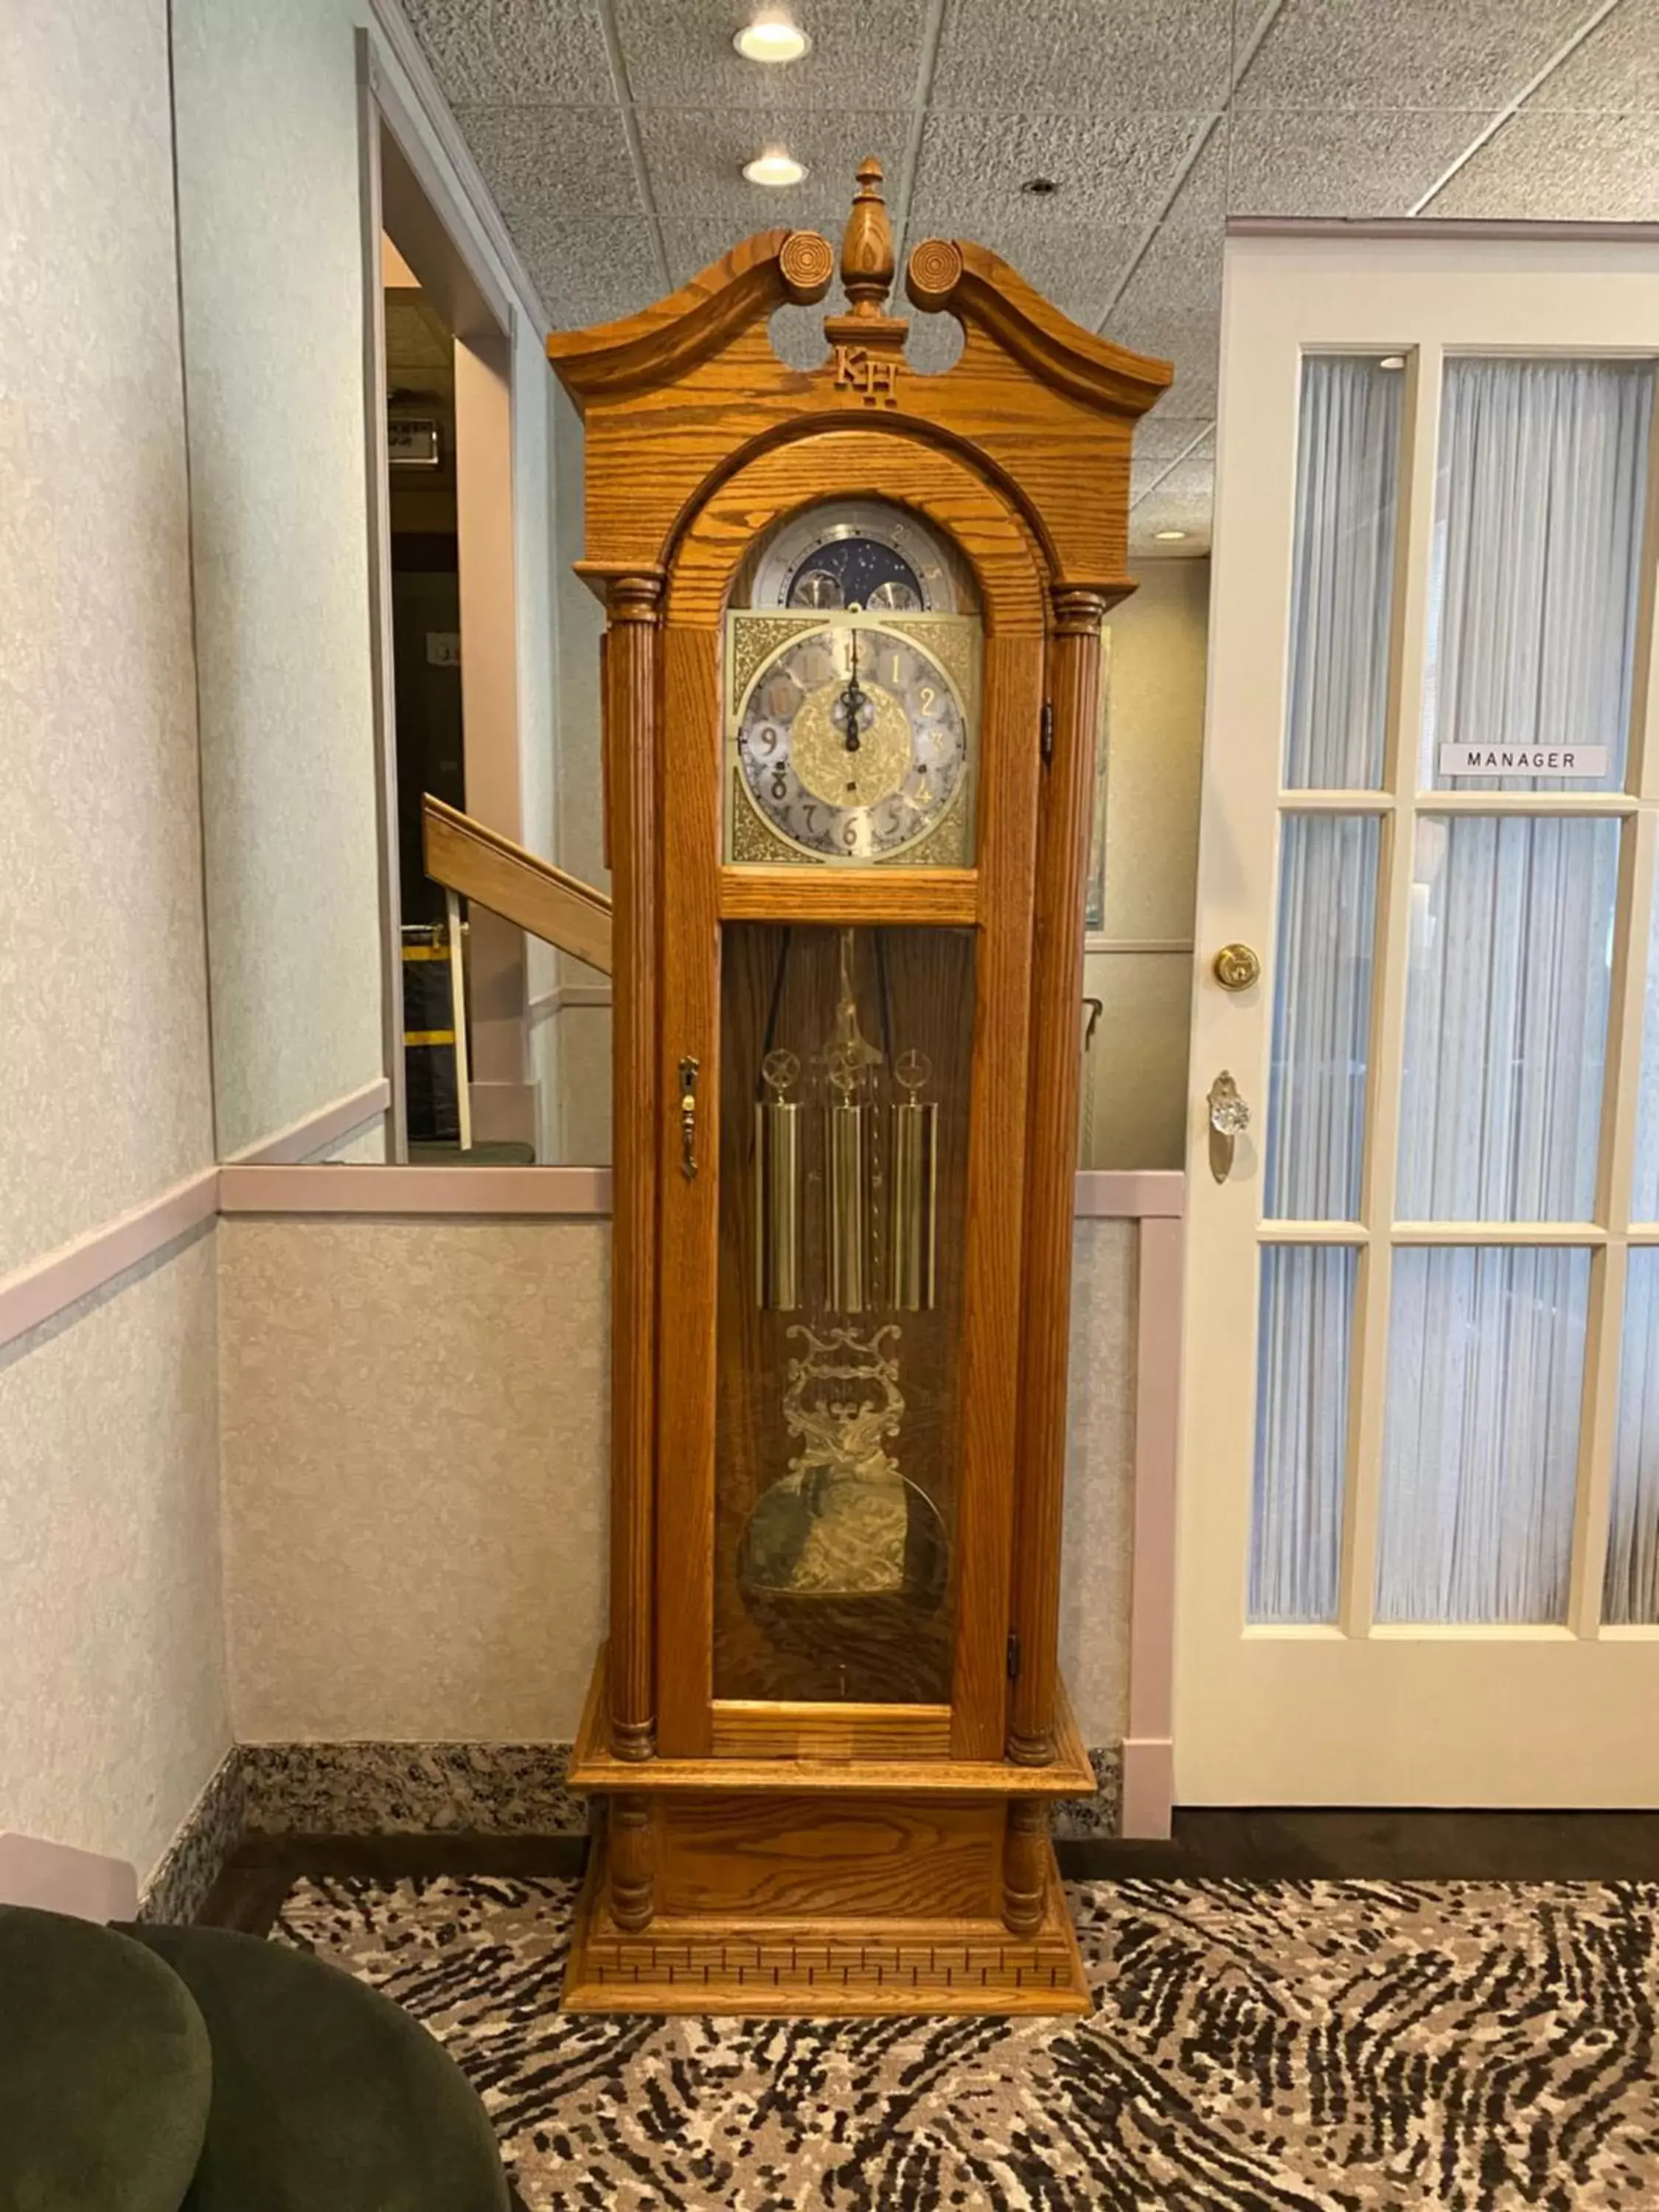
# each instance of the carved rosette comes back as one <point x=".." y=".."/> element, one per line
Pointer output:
<point x="807" y="266"/>
<point x="932" y="273"/>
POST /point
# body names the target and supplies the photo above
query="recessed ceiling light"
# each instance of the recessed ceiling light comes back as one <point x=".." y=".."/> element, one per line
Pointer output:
<point x="1392" y="360"/>
<point x="1040" y="187"/>
<point x="1169" y="536"/>
<point x="774" y="168"/>
<point x="772" y="38"/>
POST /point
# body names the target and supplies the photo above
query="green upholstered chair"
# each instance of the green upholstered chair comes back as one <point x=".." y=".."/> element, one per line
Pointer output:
<point x="326" y="2097"/>
<point x="105" y="2072"/>
<point x="189" y="2070"/>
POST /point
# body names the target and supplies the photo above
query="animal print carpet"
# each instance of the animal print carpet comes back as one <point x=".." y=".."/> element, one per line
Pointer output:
<point x="1348" y="2045"/>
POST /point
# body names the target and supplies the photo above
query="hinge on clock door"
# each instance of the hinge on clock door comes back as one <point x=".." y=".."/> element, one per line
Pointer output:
<point x="1013" y="1654"/>
<point x="1045" y="741"/>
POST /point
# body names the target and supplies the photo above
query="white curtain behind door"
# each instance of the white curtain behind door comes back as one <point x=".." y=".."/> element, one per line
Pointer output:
<point x="1533" y="608"/>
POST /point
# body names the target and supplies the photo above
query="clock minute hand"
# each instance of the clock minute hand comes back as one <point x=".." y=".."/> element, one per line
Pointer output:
<point x="852" y="700"/>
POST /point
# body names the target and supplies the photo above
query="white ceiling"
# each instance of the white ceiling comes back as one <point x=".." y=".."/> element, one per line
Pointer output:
<point x="611" y="133"/>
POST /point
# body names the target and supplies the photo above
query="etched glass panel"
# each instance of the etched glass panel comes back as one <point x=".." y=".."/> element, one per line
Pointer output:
<point x="1302" y="1430"/>
<point x="1535" y="567"/>
<point x="845" y="1067"/>
<point x="1321" y="1017"/>
<point x="1631" y="1592"/>
<point x="1480" y="1455"/>
<point x="1347" y="475"/>
<point x="1506" y="1018"/>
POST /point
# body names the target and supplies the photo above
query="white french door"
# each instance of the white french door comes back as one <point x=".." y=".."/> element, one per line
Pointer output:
<point x="1419" y="1504"/>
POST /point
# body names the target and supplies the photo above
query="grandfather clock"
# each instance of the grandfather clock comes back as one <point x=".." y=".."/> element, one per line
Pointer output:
<point x="851" y="679"/>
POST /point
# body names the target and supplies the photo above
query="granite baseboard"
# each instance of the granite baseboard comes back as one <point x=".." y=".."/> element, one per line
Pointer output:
<point x="373" y="1788"/>
<point x="214" y="1826"/>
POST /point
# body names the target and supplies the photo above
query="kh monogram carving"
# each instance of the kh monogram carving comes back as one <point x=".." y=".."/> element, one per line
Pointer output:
<point x="874" y="378"/>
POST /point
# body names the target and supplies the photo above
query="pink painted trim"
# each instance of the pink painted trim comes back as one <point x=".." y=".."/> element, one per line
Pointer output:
<point x="302" y="1140"/>
<point x="34" y="1294"/>
<point x="369" y="1189"/>
<point x="1148" y="1788"/>
<point x="1152" y="1578"/>
<point x="1130" y="1194"/>
<point x="57" y="1878"/>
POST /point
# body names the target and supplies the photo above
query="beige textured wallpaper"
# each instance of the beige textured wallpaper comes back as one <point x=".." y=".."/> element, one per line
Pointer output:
<point x="107" y="1096"/>
<point x="111" y="1651"/>
<point x="414" y="1432"/>
<point x="414" y="1429"/>
<point x="273" y="284"/>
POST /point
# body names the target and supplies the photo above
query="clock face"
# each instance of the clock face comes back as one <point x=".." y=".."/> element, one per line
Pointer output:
<point x="860" y="555"/>
<point x="852" y="741"/>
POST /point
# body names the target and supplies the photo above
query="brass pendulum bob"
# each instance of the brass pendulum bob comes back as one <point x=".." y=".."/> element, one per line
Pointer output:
<point x="846" y="1186"/>
<point x="777" y="1186"/>
<point x="913" y="1189"/>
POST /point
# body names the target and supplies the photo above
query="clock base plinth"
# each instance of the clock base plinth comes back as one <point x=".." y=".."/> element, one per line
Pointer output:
<point x="720" y="1965"/>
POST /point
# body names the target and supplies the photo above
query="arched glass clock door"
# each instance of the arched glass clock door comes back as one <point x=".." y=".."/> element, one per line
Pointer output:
<point x="840" y="1086"/>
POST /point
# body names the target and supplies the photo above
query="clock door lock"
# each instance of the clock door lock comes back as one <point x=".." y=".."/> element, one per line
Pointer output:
<point x="688" y="1117"/>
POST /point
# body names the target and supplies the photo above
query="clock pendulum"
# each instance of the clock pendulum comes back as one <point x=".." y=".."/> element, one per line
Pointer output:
<point x="848" y="1164"/>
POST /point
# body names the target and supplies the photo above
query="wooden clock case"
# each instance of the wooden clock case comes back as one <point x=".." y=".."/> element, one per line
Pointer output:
<point x="835" y="1857"/>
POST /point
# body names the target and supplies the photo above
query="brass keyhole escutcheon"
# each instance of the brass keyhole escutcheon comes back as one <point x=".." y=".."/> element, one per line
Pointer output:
<point x="1236" y="967"/>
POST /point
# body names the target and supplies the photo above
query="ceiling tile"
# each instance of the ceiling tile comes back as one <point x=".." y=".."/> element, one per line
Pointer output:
<point x="538" y="159"/>
<point x="934" y="344"/>
<point x="1171" y="308"/>
<point x="1161" y="438"/>
<point x="1055" y="54"/>
<point x="1561" y="168"/>
<point x="591" y="272"/>
<point x="695" y="156"/>
<point x="1469" y="54"/>
<point x="682" y="55"/>
<point x="1351" y="163"/>
<point x="1617" y="66"/>
<point x="508" y="50"/>
<point x="1184" y="499"/>
<point x="1114" y="168"/>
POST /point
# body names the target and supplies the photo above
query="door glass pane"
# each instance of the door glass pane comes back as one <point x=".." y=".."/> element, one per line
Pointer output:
<point x="845" y="1065"/>
<point x="1506" y="1018"/>
<point x="1321" y="1015"/>
<point x="1644" y="1198"/>
<point x="1302" y="1430"/>
<point x="1631" y="1590"/>
<point x="1480" y="1455"/>
<point x="1347" y="474"/>
<point x="1536" y="554"/>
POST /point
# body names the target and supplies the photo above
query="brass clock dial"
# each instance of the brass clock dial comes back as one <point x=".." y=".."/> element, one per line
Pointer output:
<point x="852" y="742"/>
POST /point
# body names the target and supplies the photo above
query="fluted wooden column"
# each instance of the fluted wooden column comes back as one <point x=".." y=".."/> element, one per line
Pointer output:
<point x="1065" y="822"/>
<point x="630" y="687"/>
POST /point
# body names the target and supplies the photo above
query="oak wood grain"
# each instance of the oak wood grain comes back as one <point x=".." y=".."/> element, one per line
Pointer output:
<point x="1051" y="1166"/>
<point x="874" y="1858"/>
<point x="776" y="1729"/>
<point x="482" y="866"/>
<point x="849" y="895"/>
<point x="631" y="745"/>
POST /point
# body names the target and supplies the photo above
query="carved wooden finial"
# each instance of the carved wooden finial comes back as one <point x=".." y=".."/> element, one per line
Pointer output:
<point x="866" y="247"/>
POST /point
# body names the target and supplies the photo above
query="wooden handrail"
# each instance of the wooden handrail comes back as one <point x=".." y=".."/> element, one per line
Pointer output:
<point x="481" y="864"/>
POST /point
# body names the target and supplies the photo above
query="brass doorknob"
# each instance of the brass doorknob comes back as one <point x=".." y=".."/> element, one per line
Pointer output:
<point x="1236" y="967"/>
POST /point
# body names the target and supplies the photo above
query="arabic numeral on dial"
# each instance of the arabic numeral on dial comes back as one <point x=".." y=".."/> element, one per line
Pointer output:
<point x="779" y="787"/>
<point x="850" y="835"/>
